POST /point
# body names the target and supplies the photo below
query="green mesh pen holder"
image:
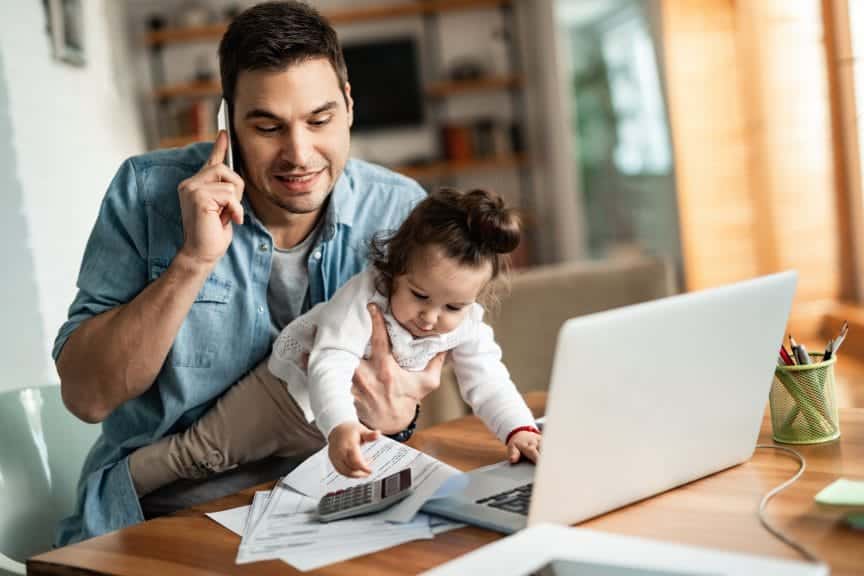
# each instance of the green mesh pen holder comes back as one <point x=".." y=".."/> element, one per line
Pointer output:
<point x="803" y="403"/>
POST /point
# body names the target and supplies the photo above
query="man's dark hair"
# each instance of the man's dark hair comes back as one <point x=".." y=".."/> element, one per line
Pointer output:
<point x="273" y="36"/>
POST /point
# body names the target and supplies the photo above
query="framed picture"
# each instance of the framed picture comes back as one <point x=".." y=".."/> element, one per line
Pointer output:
<point x="66" y="29"/>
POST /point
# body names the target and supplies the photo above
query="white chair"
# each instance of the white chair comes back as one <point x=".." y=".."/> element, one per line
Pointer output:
<point x="42" y="449"/>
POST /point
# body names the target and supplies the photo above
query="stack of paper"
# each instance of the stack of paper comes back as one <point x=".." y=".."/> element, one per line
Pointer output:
<point x="281" y="524"/>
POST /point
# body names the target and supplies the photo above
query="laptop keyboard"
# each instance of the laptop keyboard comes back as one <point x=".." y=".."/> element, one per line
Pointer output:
<point x="515" y="500"/>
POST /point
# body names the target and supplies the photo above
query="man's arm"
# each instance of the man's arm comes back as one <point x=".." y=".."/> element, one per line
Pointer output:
<point x="115" y="356"/>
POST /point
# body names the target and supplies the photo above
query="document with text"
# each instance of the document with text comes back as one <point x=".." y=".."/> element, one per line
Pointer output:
<point x="317" y="476"/>
<point x="282" y="523"/>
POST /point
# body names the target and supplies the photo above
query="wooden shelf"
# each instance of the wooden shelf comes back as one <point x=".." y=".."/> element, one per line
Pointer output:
<point x="389" y="11"/>
<point x="447" y="168"/>
<point x="187" y="34"/>
<point x="344" y="16"/>
<point x="456" y="87"/>
<point x="188" y="90"/>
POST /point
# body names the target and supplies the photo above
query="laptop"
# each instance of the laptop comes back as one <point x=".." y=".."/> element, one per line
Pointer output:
<point x="642" y="399"/>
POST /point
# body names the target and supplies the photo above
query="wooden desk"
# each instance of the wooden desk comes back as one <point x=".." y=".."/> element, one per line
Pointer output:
<point x="717" y="512"/>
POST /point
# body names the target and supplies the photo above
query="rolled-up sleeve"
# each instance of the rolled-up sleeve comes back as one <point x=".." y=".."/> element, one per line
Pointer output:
<point x="114" y="267"/>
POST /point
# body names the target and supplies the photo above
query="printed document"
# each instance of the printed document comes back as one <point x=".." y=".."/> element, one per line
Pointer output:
<point x="316" y="475"/>
<point x="283" y="524"/>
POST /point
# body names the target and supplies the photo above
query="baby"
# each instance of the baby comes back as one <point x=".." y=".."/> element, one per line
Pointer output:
<point x="428" y="279"/>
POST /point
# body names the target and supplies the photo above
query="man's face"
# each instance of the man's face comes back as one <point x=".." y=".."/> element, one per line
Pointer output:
<point x="293" y="130"/>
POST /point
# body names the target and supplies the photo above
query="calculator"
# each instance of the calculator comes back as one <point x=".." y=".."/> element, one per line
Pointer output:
<point x="365" y="498"/>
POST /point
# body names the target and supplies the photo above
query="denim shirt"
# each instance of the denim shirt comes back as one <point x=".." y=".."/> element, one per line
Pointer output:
<point x="227" y="330"/>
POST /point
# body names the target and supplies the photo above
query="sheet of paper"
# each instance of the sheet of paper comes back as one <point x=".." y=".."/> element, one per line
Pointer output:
<point x="311" y="559"/>
<point x="239" y="519"/>
<point x="259" y="504"/>
<point x="439" y="525"/>
<point x="289" y="523"/>
<point x="234" y="519"/>
<point x="281" y="504"/>
<point x="316" y="475"/>
<point x="282" y="523"/>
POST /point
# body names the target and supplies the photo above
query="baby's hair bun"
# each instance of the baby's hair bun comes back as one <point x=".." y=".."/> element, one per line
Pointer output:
<point x="492" y="226"/>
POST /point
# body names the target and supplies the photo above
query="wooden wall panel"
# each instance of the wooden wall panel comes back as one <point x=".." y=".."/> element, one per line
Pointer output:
<point x="750" y="115"/>
<point x="709" y="135"/>
<point x="842" y="60"/>
<point x="793" y="178"/>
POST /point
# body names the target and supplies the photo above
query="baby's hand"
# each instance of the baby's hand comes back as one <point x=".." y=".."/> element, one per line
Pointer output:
<point x="524" y="443"/>
<point x="344" y="448"/>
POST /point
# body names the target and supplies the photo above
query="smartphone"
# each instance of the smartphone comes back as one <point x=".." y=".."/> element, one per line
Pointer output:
<point x="222" y="123"/>
<point x="365" y="498"/>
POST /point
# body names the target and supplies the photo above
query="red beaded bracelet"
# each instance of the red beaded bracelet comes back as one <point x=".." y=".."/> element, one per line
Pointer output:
<point x="521" y="429"/>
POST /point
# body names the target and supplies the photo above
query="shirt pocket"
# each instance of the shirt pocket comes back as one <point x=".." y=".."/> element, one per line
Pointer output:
<point x="195" y="343"/>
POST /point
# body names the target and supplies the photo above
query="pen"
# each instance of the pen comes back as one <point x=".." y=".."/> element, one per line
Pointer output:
<point x="834" y="344"/>
<point x="843" y="331"/>
<point x="796" y="351"/>
<point x="784" y="355"/>
<point x="803" y="357"/>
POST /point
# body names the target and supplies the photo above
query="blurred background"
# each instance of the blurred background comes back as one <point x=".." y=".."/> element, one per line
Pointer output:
<point x="721" y="136"/>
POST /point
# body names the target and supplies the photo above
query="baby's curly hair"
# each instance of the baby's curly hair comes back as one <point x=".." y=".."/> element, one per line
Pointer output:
<point x="471" y="228"/>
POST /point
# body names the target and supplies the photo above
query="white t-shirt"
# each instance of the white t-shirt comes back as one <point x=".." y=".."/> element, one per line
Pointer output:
<point x="336" y="334"/>
<point x="289" y="282"/>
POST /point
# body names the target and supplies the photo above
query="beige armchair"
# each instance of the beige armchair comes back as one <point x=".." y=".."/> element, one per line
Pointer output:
<point x="540" y="300"/>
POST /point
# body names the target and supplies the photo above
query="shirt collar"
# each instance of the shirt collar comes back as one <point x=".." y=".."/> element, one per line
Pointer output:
<point x="343" y="199"/>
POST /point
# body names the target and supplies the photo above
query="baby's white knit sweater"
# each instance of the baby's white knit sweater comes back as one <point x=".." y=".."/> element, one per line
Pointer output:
<point x="336" y="334"/>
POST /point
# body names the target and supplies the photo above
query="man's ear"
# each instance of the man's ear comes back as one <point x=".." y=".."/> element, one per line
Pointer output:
<point x="349" y="102"/>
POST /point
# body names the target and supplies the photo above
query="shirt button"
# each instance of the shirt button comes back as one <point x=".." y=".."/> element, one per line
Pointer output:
<point x="263" y="247"/>
<point x="317" y="255"/>
<point x="260" y="309"/>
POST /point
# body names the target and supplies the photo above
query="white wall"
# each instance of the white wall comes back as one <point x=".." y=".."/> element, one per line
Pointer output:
<point x="64" y="130"/>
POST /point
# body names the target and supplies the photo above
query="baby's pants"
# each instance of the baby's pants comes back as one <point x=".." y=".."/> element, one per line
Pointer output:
<point x="255" y="419"/>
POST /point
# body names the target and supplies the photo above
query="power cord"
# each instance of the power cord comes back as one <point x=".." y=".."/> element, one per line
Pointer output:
<point x="764" y="504"/>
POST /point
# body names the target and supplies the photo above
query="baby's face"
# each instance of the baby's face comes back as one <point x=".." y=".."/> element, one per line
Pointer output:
<point x="434" y="296"/>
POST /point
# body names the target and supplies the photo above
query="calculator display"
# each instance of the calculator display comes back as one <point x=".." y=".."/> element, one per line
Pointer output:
<point x="393" y="483"/>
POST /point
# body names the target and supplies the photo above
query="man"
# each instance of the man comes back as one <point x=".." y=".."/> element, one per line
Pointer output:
<point x="191" y="269"/>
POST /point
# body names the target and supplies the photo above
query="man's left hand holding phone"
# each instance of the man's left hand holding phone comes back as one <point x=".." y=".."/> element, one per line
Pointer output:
<point x="211" y="200"/>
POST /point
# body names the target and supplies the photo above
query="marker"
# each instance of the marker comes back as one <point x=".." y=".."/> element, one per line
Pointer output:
<point x="829" y="350"/>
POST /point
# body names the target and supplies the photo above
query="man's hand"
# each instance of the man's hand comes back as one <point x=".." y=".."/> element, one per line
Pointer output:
<point x="385" y="394"/>
<point x="343" y="447"/>
<point x="209" y="202"/>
